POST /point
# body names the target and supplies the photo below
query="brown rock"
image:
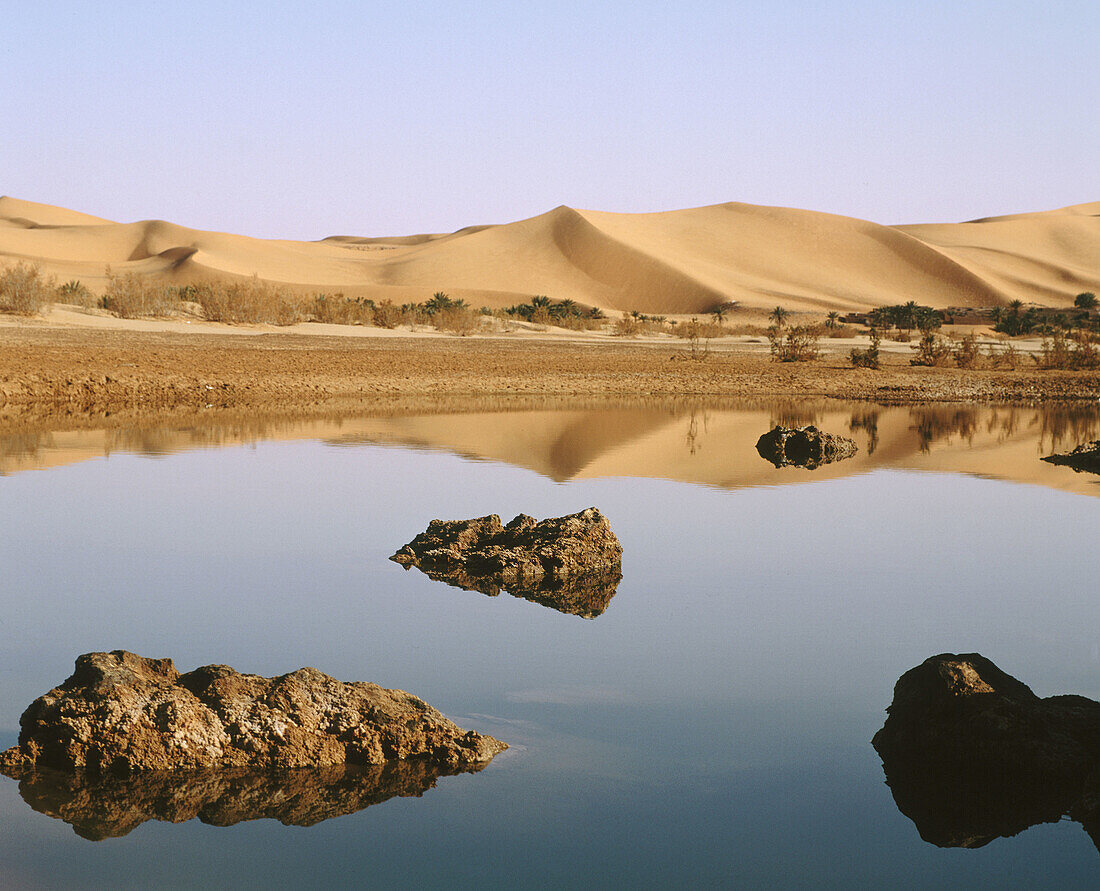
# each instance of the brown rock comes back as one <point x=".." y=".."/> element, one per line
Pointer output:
<point x="1084" y="459"/>
<point x="972" y="754"/>
<point x="120" y="712"/>
<point x="804" y="447"/>
<point x="569" y="563"/>
<point x="100" y="806"/>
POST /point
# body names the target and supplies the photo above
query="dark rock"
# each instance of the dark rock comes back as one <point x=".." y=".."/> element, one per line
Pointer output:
<point x="972" y="754"/>
<point x="1084" y="459"/>
<point x="804" y="447"/>
<point x="571" y="564"/>
<point x="120" y="713"/>
<point x="101" y="806"/>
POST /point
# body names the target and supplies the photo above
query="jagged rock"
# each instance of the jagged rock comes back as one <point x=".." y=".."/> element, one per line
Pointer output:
<point x="101" y="806"/>
<point x="1084" y="459"/>
<point x="804" y="447"/>
<point x="972" y="754"/>
<point x="569" y="563"/>
<point x="120" y="712"/>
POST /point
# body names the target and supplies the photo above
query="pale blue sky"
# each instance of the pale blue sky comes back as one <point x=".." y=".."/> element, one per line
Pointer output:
<point x="305" y="120"/>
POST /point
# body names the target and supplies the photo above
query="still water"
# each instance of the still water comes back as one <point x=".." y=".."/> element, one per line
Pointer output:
<point x="710" y="725"/>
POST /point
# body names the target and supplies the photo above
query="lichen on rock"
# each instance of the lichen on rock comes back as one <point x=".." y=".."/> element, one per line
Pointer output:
<point x="120" y="713"/>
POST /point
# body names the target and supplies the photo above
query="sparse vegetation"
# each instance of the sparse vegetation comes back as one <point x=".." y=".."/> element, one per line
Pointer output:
<point x="933" y="351"/>
<point x="795" y="344"/>
<point x="868" y="358"/>
<point x="133" y="296"/>
<point x="24" y="290"/>
<point x="74" y="293"/>
<point x="1080" y="350"/>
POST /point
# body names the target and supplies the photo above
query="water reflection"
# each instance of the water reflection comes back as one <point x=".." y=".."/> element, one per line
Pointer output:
<point x="971" y="754"/>
<point x="587" y="595"/>
<point x="711" y="442"/>
<point x="102" y="807"/>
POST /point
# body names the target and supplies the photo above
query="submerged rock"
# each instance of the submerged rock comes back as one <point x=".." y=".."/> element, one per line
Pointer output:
<point x="972" y="754"/>
<point x="571" y="564"/>
<point x="1084" y="459"/>
<point x="804" y="447"/>
<point x="101" y="806"/>
<point x="120" y="712"/>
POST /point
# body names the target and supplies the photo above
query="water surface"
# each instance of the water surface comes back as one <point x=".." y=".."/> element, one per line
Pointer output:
<point x="710" y="725"/>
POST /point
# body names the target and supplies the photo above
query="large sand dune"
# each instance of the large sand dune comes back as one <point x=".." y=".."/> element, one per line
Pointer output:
<point x="684" y="261"/>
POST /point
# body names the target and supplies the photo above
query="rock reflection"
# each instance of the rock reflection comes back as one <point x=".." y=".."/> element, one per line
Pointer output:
<point x="102" y="807"/>
<point x="1084" y="458"/>
<point x="971" y="754"/>
<point x="586" y="596"/>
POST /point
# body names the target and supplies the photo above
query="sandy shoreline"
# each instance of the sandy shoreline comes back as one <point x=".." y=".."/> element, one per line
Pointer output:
<point x="49" y="370"/>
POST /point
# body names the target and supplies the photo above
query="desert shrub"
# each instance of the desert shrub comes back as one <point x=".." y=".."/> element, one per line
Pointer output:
<point x="794" y="344"/>
<point x="693" y="328"/>
<point x="966" y="352"/>
<point x="386" y="315"/>
<point x="336" y="309"/>
<point x="868" y="358"/>
<point x="1079" y="351"/>
<point x="133" y="296"/>
<point x="1004" y="356"/>
<point x="627" y="326"/>
<point x="838" y="330"/>
<point x="249" y="302"/>
<point x="24" y="290"/>
<point x="75" y="293"/>
<point x="457" y="319"/>
<point x="933" y="351"/>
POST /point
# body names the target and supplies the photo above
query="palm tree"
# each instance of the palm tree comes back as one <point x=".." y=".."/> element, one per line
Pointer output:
<point x="780" y="315"/>
<point x="1085" y="300"/>
<point x="832" y="321"/>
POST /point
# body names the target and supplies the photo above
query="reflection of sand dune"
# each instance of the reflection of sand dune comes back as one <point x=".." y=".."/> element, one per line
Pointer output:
<point x="684" y="261"/>
<point x="110" y="807"/>
<point x="707" y="443"/>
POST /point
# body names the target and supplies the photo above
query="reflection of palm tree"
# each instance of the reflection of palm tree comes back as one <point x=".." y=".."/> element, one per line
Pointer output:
<point x="780" y="315"/>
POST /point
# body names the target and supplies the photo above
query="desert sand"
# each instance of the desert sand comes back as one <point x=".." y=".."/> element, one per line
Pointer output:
<point x="675" y="262"/>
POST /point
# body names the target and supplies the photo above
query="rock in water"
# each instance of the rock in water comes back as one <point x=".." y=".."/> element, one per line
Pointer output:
<point x="101" y="806"/>
<point x="1085" y="458"/>
<point x="569" y="563"/>
<point x="972" y="754"/>
<point x="120" y="712"/>
<point x="804" y="447"/>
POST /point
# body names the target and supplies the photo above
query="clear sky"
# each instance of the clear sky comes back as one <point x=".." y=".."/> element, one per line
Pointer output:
<point x="304" y="120"/>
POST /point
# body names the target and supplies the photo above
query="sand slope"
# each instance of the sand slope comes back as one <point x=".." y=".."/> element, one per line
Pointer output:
<point x="684" y="261"/>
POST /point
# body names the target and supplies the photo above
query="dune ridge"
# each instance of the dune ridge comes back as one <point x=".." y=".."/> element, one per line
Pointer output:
<point x="671" y="262"/>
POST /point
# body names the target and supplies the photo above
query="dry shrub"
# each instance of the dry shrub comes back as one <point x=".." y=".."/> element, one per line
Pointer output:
<point x="838" y="331"/>
<point x="868" y="358"/>
<point x="795" y="344"/>
<point x="933" y="351"/>
<point x="1079" y="351"/>
<point x="967" y="353"/>
<point x="132" y="296"/>
<point x="386" y="315"/>
<point x="24" y="290"/>
<point x="249" y="302"/>
<point x="581" y="323"/>
<point x="460" y="320"/>
<point x="627" y="326"/>
<point x="693" y="328"/>
<point x="336" y="309"/>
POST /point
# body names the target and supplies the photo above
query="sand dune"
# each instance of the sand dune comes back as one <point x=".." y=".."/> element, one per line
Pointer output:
<point x="684" y="261"/>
